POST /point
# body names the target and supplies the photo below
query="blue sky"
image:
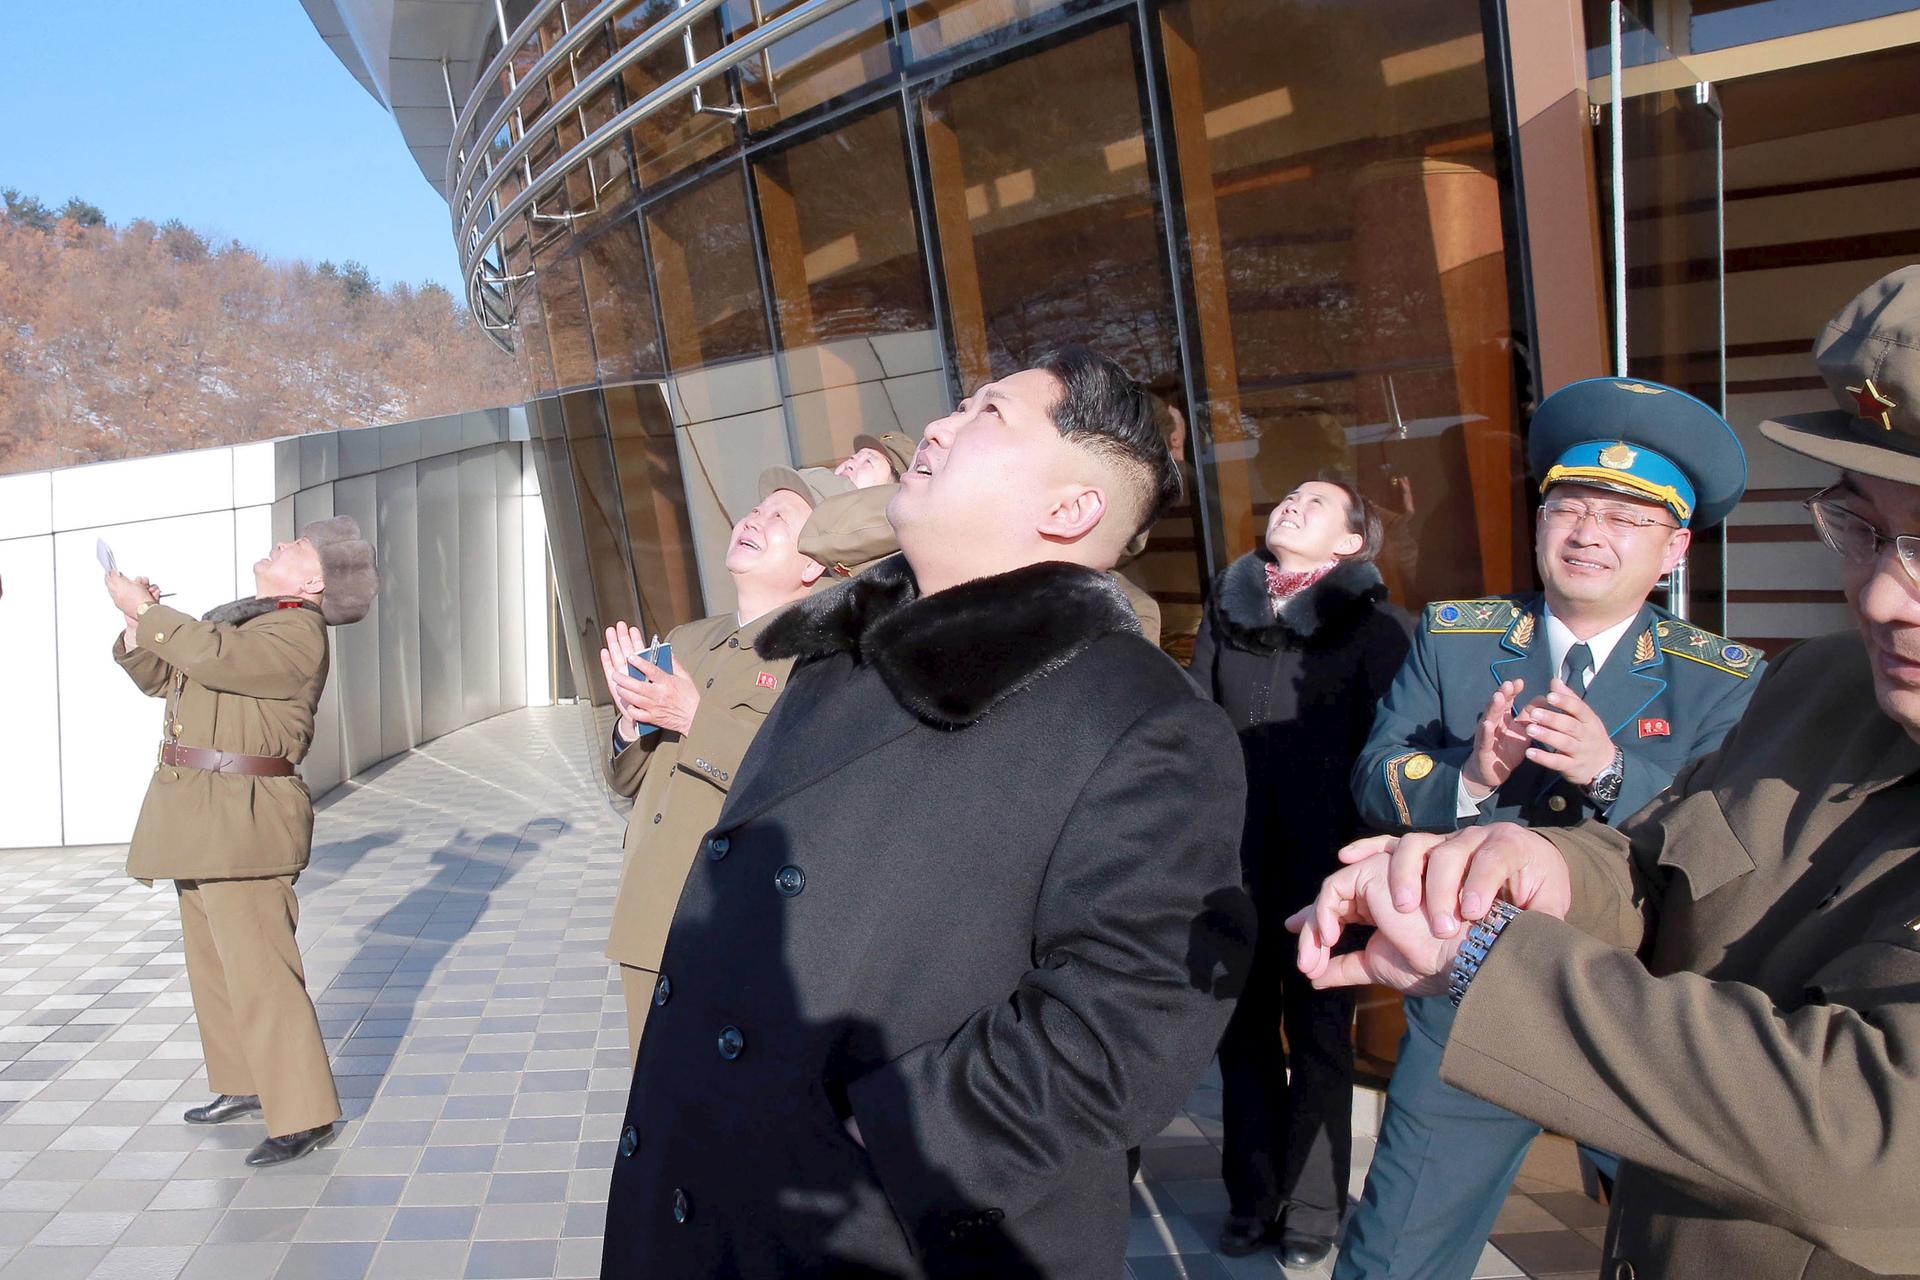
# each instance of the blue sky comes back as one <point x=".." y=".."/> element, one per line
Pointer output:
<point x="230" y="115"/>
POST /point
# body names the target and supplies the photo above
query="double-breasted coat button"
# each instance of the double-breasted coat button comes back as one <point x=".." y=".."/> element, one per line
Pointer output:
<point x="733" y="642"/>
<point x="790" y="881"/>
<point x="662" y="991"/>
<point x="1623" y="1270"/>
<point x="717" y="847"/>
<point x="682" y="1205"/>
<point x="732" y="1043"/>
<point x="1557" y="803"/>
<point x="629" y="1142"/>
<point x="657" y="817"/>
<point x="1833" y="895"/>
<point x="709" y="682"/>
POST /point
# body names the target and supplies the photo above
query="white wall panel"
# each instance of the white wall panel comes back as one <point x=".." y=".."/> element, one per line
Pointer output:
<point x="441" y="702"/>
<point x="356" y="648"/>
<point x="509" y="575"/>
<point x="479" y="585"/>
<point x="29" y="693"/>
<point x="323" y="768"/>
<point x="26" y="505"/>
<point x="397" y="495"/>
<point x="153" y="488"/>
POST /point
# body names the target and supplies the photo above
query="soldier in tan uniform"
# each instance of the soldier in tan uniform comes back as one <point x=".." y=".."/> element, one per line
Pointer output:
<point x="228" y="819"/>
<point x="681" y="734"/>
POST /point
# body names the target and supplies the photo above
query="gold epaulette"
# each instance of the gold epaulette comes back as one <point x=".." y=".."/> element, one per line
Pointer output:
<point x="1684" y="640"/>
<point x="1492" y="615"/>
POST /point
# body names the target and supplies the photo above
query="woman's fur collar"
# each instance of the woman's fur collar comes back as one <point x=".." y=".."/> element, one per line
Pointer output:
<point x="1243" y="615"/>
<point x="246" y="609"/>
<point x="951" y="657"/>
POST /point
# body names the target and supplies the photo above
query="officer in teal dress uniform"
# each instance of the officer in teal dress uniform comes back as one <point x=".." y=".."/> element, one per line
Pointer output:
<point x="1581" y="701"/>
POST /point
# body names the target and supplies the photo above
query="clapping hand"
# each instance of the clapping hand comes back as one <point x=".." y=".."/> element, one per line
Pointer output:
<point x="1568" y="737"/>
<point x="668" y="699"/>
<point x="1500" y="742"/>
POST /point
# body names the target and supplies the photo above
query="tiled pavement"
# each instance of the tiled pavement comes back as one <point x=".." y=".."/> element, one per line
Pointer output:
<point x="453" y="921"/>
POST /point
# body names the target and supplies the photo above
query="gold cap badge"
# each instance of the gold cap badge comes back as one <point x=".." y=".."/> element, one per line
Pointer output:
<point x="1639" y="388"/>
<point x="1618" y="456"/>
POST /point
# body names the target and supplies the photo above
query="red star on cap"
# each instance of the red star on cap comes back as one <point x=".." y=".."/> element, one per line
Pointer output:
<point x="1873" y="406"/>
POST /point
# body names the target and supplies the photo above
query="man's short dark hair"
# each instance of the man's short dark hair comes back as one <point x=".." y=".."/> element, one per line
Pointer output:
<point x="1104" y="410"/>
<point x="1362" y="517"/>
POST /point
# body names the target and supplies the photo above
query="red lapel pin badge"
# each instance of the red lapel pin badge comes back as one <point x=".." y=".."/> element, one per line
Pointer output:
<point x="1652" y="728"/>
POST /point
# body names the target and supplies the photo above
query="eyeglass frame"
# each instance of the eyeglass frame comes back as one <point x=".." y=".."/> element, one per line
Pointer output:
<point x="1906" y="546"/>
<point x="1613" y="519"/>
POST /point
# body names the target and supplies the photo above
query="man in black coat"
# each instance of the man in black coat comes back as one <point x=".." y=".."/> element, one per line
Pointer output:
<point x="970" y="923"/>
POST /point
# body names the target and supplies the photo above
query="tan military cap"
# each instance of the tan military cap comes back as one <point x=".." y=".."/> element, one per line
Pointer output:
<point x="815" y="484"/>
<point x="849" y="532"/>
<point x="898" y="447"/>
<point x="1869" y="356"/>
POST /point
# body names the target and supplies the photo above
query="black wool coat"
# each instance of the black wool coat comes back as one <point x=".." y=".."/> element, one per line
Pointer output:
<point x="1301" y="690"/>
<point x="974" y="888"/>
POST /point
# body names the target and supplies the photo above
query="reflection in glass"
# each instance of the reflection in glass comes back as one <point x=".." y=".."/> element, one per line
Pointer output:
<point x="626" y="337"/>
<point x="675" y="137"/>
<point x="1350" y="275"/>
<point x="705" y="273"/>
<point x="843" y="255"/>
<point x="834" y="56"/>
<point x="654" y="506"/>
<point x="1048" y="222"/>
<point x="938" y="26"/>
<point x="558" y="283"/>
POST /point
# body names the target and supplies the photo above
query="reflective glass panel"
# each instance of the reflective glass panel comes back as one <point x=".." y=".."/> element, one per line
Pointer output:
<point x="830" y="57"/>
<point x="654" y="502"/>
<point x="704" y="269"/>
<point x="939" y="26"/>
<point x="626" y="337"/>
<point x="675" y="137"/>
<point x="857" y="338"/>
<point x="565" y="309"/>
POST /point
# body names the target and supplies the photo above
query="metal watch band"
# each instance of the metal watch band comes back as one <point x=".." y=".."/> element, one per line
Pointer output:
<point x="1605" y="787"/>
<point x="1473" y="952"/>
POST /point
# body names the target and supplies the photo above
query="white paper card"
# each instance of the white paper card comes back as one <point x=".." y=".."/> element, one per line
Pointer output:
<point x="105" y="552"/>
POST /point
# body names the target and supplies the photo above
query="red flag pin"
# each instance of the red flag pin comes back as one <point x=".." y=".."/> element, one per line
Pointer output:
<point x="1651" y="728"/>
<point x="766" y="681"/>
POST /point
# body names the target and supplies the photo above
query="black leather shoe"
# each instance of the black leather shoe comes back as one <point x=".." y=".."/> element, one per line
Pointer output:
<point x="1299" y="1251"/>
<point x="290" y="1146"/>
<point x="224" y="1107"/>
<point x="1240" y="1236"/>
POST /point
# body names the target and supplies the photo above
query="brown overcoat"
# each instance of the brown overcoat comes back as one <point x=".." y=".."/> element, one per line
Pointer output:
<point x="679" y="781"/>
<point x="1733" y="1004"/>
<point x="249" y="687"/>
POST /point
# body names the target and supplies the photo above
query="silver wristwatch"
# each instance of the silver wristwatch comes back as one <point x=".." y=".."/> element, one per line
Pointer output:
<point x="1473" y="952"/>
<point x="1605" y="787"/>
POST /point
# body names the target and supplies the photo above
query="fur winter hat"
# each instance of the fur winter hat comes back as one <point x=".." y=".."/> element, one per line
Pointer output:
<point x="346" y="564"/>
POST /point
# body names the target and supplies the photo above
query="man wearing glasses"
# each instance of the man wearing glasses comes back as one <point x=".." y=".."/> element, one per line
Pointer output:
<point x="1580" y="702"/>
<point x="1723" y="990"/>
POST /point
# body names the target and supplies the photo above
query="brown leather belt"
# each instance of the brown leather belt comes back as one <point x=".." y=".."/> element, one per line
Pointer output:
<point x="224" y="761"/>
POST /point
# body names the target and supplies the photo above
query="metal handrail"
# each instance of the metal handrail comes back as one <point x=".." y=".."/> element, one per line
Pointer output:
<point x="466" y="233"/>
<point x="462" y="199"/>
<point x="509" y="46"/>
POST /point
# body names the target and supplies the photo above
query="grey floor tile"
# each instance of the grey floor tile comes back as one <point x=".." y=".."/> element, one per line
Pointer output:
<point x="72" y="1228"/>
<point x="419" y="1260"/>
<point x="333" y="1261"/>
<point x="143" y="1263"/>
<point x="511" y="1260"/>
<point x="432" y="1223"/>
<point x="230" y="1261"/>
<point x="257" y="1226"/>
<point x="59" y="1263"/>
<point x="169" y="1228"/>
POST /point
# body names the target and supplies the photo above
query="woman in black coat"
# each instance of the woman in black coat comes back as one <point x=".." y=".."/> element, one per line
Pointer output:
<point x="1298" y="645"/>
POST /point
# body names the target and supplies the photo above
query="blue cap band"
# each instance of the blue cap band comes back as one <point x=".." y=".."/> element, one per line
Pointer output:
<point x="1628" y="468"/>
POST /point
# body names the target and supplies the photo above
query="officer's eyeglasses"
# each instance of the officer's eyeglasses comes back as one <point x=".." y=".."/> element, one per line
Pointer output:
<point x="1561" y="514"/>
<point x="1856" y="541"/>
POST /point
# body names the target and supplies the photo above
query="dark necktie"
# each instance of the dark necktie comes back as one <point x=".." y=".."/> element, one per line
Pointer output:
<point x="1574" y="669"/>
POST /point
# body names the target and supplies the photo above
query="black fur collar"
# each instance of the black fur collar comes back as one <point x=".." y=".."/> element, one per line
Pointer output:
<point x="247" y="608"/>
<point x="1243" y="616"/>
<point x="950" y="657"/>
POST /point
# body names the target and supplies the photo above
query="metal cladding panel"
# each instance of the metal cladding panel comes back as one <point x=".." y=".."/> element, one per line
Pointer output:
<point x="356" y="648"/>
<point x="397" y="497"/>
<point x="441" y="667"/>
<point x="511" y="619"/>
<point x="480" y="595"/>
<point x="30" y="750"/>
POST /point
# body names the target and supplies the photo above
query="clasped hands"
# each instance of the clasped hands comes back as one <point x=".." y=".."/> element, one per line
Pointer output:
<point x="668" y="699"/>
<point x="1559" y="731"/>
<point x="1421" y="893"/>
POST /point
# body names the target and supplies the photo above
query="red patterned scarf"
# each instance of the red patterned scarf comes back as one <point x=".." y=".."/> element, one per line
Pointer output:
<point x="1283" y="585"/>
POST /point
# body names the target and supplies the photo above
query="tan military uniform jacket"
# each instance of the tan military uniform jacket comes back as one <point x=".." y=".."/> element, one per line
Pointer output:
<point x="680" y="781"/>
<point x="1757" y="1062"/>
<point x="249" y="688"/>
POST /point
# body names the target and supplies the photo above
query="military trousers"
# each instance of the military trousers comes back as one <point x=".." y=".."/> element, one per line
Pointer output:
<point x="1440" y="1171"/>
<point x="258" y="1030"/>
<point x="638" y="985"/>
<point x="1288" y="1112"/>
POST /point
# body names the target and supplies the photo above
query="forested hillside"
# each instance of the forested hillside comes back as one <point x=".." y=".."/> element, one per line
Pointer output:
<point x="122" y="341"/>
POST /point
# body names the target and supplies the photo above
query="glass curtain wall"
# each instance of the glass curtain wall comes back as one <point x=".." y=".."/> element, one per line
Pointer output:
<point x="1290" y="220"/>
